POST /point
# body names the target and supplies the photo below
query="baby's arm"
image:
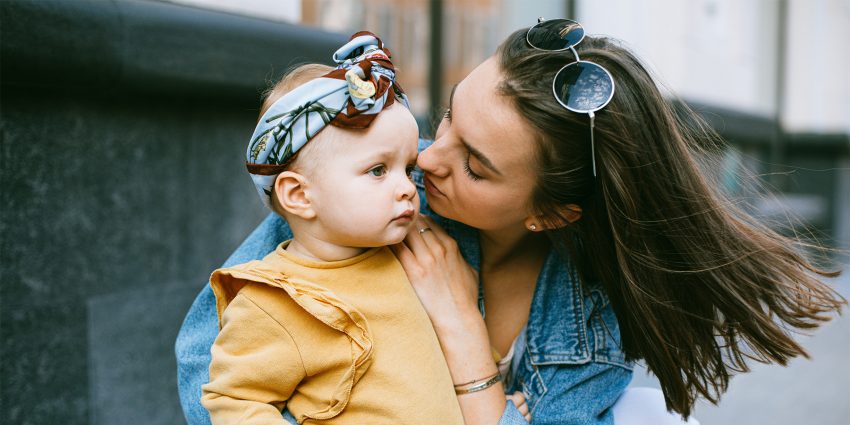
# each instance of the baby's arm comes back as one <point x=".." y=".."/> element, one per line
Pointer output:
<point x="255" y="367"/>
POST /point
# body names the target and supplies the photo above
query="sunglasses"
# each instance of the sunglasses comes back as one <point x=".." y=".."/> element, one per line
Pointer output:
<point x="581" y="86"/>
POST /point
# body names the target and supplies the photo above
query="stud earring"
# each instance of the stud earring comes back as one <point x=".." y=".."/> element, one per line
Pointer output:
<point x="533" y="227"/>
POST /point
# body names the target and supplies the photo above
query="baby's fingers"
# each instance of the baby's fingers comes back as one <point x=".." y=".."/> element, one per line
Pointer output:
<point x="519" y="401"/>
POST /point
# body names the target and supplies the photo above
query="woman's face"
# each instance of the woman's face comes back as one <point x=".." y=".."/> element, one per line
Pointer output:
<point x="480" y="169"/>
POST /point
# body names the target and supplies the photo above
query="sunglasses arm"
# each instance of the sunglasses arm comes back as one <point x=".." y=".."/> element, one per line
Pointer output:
<point x="592" y="144"/>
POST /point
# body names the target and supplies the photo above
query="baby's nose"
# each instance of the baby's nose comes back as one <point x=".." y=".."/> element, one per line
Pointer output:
<point x="406" y="189"/>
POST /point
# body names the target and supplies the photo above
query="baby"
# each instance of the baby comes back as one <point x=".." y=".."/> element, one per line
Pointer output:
<point x="327" y="325"/>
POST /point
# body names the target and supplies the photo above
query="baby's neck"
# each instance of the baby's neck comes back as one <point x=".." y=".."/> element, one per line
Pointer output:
<point x="319" y="250"/>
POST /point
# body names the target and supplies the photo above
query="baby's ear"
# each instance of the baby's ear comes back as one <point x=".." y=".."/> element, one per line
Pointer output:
<point x="290" y="189"/>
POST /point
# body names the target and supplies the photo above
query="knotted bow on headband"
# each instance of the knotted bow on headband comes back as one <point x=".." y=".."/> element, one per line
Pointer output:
<point x="351" y="96"/>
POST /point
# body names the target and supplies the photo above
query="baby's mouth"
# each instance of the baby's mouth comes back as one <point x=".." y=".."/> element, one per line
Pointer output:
<point x="408" y="214"/>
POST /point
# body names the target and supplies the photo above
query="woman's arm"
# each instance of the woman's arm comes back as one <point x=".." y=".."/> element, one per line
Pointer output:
<point x="466" y="346"/>
<point x="448" y="289"/>
<point x="200" y="326"/>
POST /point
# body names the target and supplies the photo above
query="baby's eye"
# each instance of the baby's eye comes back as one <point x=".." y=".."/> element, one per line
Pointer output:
<point x="410" y="169"/>
<point x="378" y="170"/>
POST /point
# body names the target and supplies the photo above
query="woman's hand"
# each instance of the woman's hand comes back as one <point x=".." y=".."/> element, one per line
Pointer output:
<point x="519" y="401"/>
<point x="446" y="285"/>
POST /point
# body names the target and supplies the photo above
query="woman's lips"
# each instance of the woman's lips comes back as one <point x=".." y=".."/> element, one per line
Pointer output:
<point x="430" y="188"/>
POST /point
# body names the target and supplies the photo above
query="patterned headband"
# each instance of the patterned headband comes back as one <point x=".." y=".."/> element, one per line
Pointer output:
<point x="351" y="96"/>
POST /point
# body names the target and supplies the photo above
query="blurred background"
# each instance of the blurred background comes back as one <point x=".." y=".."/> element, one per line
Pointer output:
<point x="122" y="183"/>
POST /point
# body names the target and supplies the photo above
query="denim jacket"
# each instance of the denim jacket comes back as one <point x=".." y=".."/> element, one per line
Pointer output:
<point x="569" y="364"/>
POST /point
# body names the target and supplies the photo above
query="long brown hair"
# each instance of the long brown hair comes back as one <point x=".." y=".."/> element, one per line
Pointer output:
<point x="697" y="283"/>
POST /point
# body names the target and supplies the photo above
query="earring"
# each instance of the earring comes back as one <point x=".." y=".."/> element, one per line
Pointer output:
<point x="533" y="227"/>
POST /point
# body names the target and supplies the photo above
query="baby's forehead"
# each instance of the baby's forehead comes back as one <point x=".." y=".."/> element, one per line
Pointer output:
<point x="386" y="139"/>
<point x="330" y="146"/>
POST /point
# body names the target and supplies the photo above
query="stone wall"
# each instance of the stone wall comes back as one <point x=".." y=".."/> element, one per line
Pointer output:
<point x="123" y="186"/>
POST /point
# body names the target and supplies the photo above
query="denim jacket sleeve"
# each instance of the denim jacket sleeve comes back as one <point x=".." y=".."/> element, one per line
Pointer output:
<point x="573" y="397"/>
<point x="582" y="394"/>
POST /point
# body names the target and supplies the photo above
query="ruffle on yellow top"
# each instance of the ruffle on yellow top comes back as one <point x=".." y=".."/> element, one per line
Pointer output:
<point x="316" y="300"/>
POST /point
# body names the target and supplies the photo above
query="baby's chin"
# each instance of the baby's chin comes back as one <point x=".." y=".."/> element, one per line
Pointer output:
<point x="395" y="241"/>
<point x="394" y="238"/>
<point x="390" y="237"/>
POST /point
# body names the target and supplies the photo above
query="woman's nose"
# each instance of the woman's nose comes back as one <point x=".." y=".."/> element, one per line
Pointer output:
<point x="431" y="160"/>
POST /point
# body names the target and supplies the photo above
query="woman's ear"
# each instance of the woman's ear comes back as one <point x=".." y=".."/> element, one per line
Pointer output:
<point x="291" y="190"/>
<point x="565" y="215"/>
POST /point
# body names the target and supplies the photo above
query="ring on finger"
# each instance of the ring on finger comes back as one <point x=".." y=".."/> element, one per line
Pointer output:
<point x="424" y="229"/>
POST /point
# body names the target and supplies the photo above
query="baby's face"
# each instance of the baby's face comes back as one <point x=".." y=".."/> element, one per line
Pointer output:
<point x="362" y="191"/>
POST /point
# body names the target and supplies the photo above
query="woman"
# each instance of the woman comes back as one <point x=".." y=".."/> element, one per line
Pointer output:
<point x="581" y="222"/>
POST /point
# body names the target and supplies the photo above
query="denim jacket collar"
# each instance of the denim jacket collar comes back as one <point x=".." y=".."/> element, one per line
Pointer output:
<point x="555" y="330"/>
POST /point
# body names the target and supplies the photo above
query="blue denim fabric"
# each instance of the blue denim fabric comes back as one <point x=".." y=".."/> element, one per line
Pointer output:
<point x="569" y="366"/>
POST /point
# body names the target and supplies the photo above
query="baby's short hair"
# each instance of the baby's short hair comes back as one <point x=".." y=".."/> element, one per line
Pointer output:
<point x="291" y="79"/>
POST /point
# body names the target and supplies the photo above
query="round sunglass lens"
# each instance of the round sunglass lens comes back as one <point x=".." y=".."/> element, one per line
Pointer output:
<point x="583" y="86"/>
<point x="555" y="34"/>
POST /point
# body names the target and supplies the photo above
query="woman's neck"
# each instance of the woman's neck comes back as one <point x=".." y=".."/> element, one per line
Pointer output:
<point x="505" y="246"/>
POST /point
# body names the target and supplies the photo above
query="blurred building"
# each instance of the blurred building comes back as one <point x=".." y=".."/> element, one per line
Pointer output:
<point x="470" y="32"/>
<point x="773" y="77"/>
<point x="402" y="25"/>
<point x="784" y="58"/>
<point x="754" y="56"/>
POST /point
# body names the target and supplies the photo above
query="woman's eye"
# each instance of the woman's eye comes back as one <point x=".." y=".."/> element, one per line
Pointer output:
<point x="448" y="114"/>
<point x="378" y="171"/>
<point x="471" y="174"/>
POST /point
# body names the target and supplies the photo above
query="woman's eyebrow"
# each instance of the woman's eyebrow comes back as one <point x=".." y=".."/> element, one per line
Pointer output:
<point x="481" y="158"/>
<point x="474" y="152"/>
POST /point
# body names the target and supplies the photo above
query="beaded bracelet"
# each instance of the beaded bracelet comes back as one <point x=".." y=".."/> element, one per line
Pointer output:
<point x="478" y="384"/>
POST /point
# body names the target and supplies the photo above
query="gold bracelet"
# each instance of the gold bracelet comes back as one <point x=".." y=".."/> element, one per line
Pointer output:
<point x="478" y="384"/>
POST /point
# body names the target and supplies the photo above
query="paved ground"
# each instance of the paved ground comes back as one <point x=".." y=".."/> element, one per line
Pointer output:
<point x="814" y="391"/>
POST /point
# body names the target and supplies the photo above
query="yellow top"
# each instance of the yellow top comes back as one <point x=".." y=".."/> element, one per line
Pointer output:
<point x="335" y="342"/>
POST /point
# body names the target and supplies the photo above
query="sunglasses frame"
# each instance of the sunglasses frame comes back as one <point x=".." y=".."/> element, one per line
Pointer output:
<point x="578" y="61"/>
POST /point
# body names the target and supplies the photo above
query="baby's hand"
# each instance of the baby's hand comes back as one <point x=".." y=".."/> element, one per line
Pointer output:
<point x="519" y="401"/>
